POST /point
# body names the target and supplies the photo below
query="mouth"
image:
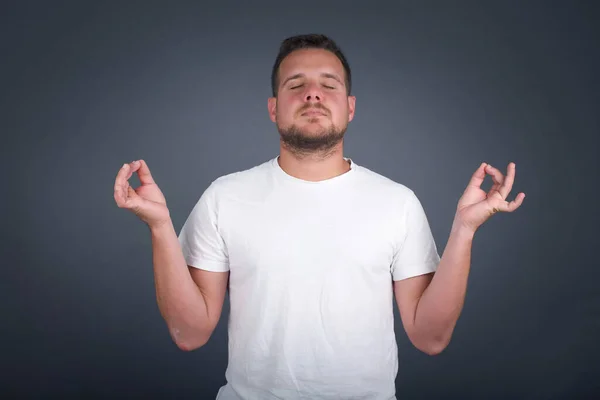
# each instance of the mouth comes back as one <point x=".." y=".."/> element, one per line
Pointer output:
<point x="313" y="113"/>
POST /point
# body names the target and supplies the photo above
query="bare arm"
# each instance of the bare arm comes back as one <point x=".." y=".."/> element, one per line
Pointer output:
<point x="430" y="304"/>
<point x="189" y="299"/>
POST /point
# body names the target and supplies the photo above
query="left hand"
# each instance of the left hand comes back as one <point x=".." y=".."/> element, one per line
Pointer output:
<point x="476" y="206"/>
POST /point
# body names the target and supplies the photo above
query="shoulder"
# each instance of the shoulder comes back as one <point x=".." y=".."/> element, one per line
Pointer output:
<point x="382" y="186"/>
<point x="247" y="183"/>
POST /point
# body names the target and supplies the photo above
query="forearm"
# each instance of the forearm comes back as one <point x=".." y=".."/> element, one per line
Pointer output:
<point x="442" y="301"/>
<point x="179" y="299"/>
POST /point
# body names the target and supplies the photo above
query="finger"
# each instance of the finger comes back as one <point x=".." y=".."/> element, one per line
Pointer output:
<point x="144" y="173"/>
<point x="132" y="196"/>
<point x="496" y="175"/>
<point x="478" y="176"/>
<point x="117" y="197"/>
<point x="513" y="205"/>
<point x="125" y="173"/>
<point x="120" y="195"/>
<point x="133" y="166"/>
<point x="122" y="175"/>
<point x="121" y="180"/>
<point x="507" y="185"/>
<point x="126" y="198"/>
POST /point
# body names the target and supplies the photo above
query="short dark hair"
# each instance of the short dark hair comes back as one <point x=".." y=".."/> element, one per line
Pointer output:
<point x="309" y="41"/>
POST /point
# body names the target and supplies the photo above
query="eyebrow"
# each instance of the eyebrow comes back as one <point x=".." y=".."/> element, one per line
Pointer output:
<point x="324" y="74"/>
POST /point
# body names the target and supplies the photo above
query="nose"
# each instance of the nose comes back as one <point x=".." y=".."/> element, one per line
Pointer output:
<point x="312" y="97"/>
<point x="313" y="93"/>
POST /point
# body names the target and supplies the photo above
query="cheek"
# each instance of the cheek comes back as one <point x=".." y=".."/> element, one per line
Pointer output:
<point x="287" y="106"/>
<point x="341" y="108"/>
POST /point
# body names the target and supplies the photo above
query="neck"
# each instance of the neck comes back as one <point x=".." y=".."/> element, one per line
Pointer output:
<point x="314" y="166"/>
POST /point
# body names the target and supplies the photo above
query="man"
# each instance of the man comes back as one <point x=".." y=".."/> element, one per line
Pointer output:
<point x="313" y="249"/>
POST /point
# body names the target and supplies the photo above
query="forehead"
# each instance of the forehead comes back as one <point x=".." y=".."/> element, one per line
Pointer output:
<point x="310" y="60"/>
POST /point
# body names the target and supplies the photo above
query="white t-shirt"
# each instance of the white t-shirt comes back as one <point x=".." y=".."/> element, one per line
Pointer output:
<point x="311" y="267"/>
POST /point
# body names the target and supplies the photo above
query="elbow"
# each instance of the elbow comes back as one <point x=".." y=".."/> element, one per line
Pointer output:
<point x="189" y="346"/>
<point x="432" y="341"/>
<point x="434" y="348"/>
<point x="188" y="343"/>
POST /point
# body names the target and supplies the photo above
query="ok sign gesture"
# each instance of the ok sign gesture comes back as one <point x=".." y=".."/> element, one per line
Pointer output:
<point x="146" y="201"/>
<point x="476" y="206"/>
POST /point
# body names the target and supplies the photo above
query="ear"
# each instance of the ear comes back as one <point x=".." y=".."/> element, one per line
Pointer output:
<point x="351" y="107"/>
<point x="272" y="107"/>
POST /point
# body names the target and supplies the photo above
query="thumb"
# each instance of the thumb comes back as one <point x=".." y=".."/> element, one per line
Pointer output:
<point x="144" y="173"/>
<point x="478" y="176"/>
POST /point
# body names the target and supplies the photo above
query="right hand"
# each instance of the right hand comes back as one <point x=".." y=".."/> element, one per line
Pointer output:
<point x="147" y="201"/>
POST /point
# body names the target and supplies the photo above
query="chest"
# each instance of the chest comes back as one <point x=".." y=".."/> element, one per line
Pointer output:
<point x="309" y="239"/>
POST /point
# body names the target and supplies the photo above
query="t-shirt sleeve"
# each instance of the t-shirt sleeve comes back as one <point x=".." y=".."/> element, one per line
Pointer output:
<point x="416" y="252"/>
<point x="202" y="244"/>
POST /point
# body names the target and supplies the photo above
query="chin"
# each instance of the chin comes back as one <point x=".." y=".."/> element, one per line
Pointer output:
<point x="314" y="131"/>
<point x="314" y="125"/>
<point x="310" y="137"/>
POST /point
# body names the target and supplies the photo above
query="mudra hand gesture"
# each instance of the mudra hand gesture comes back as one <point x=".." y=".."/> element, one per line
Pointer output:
<point x="476" y="206"/>
<point x="147" y="201"/>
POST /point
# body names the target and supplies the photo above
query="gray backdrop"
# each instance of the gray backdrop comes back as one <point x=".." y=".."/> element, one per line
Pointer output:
<point x="440" y="86"/>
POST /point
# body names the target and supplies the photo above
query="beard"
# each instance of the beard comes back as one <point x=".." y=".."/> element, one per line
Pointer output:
<point x="302" y="142"/>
